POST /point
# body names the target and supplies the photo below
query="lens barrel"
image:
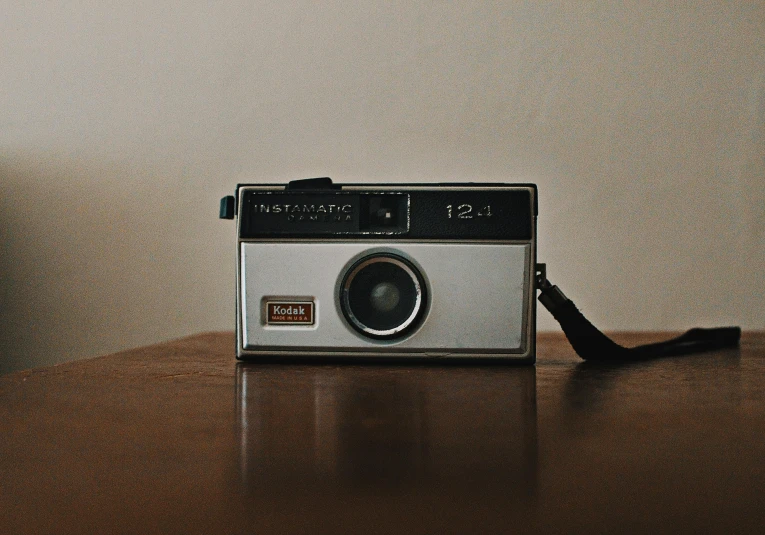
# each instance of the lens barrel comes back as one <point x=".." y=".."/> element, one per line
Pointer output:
<point x="383" y="296"/>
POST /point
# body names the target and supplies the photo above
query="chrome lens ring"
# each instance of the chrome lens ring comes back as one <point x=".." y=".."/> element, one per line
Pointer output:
<point x="383" y="296"/>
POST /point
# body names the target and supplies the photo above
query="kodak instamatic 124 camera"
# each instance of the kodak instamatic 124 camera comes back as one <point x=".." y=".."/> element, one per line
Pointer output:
<point x="425" y="271"/>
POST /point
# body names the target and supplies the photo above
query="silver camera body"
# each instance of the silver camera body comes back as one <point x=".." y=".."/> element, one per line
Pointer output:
<point x="385" y="271"/>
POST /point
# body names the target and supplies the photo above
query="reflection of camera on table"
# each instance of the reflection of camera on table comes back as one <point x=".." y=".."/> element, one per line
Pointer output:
<point x="386" y="428"/>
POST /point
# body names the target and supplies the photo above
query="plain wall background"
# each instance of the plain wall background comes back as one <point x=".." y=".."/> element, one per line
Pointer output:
<point x="123" y="123"/>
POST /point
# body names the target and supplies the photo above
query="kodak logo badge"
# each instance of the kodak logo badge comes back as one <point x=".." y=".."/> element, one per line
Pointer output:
<point x="289" y="313"/>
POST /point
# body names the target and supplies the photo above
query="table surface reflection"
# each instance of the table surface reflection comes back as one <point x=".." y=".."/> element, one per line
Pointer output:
<point x="179" y="438"/>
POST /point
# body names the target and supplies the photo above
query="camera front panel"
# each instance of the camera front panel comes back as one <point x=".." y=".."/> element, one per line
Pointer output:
<point x="473" y="300"/>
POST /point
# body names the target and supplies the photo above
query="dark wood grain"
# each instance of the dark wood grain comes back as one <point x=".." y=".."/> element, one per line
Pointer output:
<point x="179" y="438"/>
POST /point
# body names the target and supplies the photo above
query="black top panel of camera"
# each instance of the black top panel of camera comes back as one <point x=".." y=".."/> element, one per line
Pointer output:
<point x="406" y="213"/>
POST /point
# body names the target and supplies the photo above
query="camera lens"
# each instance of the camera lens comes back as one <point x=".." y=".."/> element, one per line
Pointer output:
<point x="383" y="296"/>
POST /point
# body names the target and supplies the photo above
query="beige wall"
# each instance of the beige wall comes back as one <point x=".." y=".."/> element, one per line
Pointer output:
<point x="123" y="123"/>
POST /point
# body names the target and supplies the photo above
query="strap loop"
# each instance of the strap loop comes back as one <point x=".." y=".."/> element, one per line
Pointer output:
<point x="592" y="345"/>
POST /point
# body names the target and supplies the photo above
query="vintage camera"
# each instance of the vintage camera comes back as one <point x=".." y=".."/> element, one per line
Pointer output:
<point x="385" y="271"/>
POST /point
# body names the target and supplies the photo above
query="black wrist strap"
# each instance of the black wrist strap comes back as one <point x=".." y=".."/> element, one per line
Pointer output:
<point x="592" y="345"/>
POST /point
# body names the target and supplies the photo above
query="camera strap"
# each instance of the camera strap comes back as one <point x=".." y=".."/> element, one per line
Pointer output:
<point x="592" y="345"/>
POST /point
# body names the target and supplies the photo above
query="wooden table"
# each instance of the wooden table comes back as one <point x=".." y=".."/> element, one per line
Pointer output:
<point x="179" y="438"/>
